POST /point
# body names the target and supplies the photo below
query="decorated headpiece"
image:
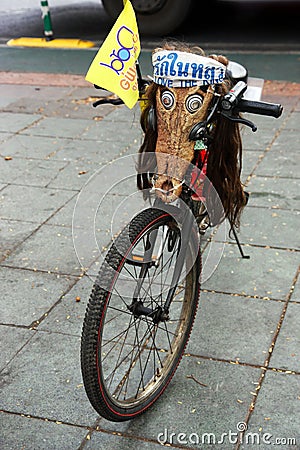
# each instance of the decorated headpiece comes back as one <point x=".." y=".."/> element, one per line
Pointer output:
<point x="184" y="92"/>
<point x="175" y="69"/>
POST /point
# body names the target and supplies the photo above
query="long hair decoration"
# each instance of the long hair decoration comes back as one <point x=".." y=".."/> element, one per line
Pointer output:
<point x="180" y="96"/>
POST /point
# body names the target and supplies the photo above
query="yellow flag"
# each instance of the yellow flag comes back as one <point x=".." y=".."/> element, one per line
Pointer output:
<point x="113" y="68"/>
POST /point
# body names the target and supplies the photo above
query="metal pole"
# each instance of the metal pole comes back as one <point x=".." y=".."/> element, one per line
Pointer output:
<point x="48" y="32"/>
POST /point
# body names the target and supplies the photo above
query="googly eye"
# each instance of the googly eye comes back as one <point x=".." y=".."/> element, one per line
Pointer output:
<point x="193" y="103"/>
<point x="167" y="99"/>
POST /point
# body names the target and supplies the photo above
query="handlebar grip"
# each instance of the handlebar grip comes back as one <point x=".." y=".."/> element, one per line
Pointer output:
<point x="262" y="108"/>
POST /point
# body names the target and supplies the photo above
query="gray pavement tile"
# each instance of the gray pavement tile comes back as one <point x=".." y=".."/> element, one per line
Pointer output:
<point x="21" y="432"/>
<point x="93" y="151"/>
<point x="45" y="381"/>
<point x="293" y="122"/>
<point x="67" y="317"/>
<point x="286" y="354"/>
<point x="4" y="136"/>
<point x="27" y="296"/>
<point x="96" y="212"/>
<point x="30" y="171"/>
<point x="13" y="232"/>
<point x="266" y="123"/>
<point x="234" y="328"/>
<point x="39" y="100"/>
<point x="282" y="160"/>
<point x="11" y="122"/>
<point x="187" y="407"/>
<point x="107" y="130"/>
<point x="268" y="273"/>
<point x="12" y="340"/>
<point x="258" y="141"/>
<point x="288" y="140"/>
<point x="74" y="175"/>
<point x="250" y="159"/>
<point x="296" y="292"/>
<point x="277" y="411"/>
<point x="104" y="441"/>
<point x="59" y="127"/>
<point x="51" y="249"/>
<point x="31" y="203"/>
<point x="118" y="176"/>
<point x="26" y="146"/>
<point x="269" y="227"/>
<point x="122" y="114"/>
<point x="274" y="192"/>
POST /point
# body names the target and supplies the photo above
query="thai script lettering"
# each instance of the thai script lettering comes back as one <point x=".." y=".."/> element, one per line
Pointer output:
<point x="170" y="66"/>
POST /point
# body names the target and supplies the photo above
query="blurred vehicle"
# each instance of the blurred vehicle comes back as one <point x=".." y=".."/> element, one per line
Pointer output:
<point x="155" y="17"/>
<point x="160" y="17"/>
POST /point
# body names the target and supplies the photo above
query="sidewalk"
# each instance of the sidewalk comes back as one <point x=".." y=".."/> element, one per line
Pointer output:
<point x="244" y="348"/>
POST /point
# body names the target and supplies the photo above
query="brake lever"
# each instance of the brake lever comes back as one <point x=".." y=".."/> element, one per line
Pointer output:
<point x="241" y="120"/>
<point x="229" y="105"/>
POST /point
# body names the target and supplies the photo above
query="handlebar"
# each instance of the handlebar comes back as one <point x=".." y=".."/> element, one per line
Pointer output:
<point x="233" y="103"/>
<point x="229" y="106"/>
<point x="262" y="108"/>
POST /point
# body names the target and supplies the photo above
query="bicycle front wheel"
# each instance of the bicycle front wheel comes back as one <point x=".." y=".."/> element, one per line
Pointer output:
<point x="130" y="349"/>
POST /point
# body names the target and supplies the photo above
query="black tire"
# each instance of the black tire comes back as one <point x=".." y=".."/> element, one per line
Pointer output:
<point x="128" y="360"/>
<point x="164" y="17"/>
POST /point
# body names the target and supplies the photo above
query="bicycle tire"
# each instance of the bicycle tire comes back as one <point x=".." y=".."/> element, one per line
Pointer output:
<point x="104" y="325"/>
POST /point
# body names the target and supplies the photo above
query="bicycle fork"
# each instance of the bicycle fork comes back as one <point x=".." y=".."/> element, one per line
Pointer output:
<point x="161" y="313"/>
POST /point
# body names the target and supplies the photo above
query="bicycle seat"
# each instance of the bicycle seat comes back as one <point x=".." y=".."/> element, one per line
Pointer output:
<point x="237" y="72"/>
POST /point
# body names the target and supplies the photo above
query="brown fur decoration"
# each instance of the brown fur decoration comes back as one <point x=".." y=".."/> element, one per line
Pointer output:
<point x="171" y="136"/>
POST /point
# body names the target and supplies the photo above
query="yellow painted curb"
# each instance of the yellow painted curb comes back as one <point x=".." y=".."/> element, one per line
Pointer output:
<point x="54" y="43"/>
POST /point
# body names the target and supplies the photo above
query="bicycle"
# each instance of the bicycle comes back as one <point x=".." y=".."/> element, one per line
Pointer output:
<point x="143" y="303"/>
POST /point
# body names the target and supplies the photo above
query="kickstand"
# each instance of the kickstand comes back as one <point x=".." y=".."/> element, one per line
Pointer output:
<point x="239" y="244"/>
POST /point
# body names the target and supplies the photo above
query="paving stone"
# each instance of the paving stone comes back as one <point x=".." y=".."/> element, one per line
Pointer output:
<point x="269" y="227"/>
<point x="107" y="130"/>
<point x="31" y="203"/>
<point x="21" y="432"/>
<point x="258" y="141"/>
<point x="250" y="159"/>
<point x="296" y="292"/>
<point x="282" y="159"/>
<point x="122" y="114"/>
<point x="234" y="328"/>
<point x="187" y="407"/>
<point x="45" y="381"/>
<point x="12" y="340"/>
<point x="93" y="151"/>
<point x="5" y="136"/>
<point x="286" y="353"/>
<point x="67" y="317"/>
<point x="26" y="146"/>
<point x="13" y="233"/>
<point x="30" y="172"/>
<point x="102" y="441"/>
<point x="27" y="296"/>
<point x="277" y="410"/>
<point x="11" y="122"/>
<point x="267" y="272"/>
<point x="35" y="99"/>
<point x="59" y="255"/>
<point x="293" y="122"/>
<point x="74" y="175"/>
<point x="274" y="192"/>
<point x="59" y="127"/>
